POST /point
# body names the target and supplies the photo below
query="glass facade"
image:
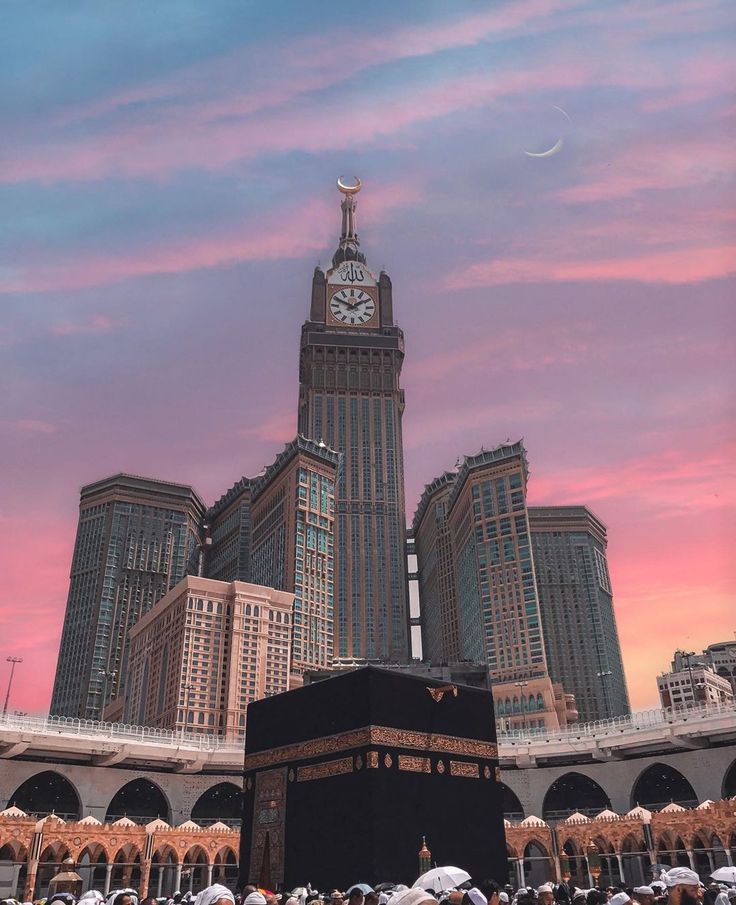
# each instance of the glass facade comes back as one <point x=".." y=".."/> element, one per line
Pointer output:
<point x="349" y="397"/>
<point x="135" y="540"/>
<point x="580" y="633"/>
<point x="293" y="528"/>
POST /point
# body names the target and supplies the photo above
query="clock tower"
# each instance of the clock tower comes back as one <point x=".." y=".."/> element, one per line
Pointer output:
<point x="349" y="397"/>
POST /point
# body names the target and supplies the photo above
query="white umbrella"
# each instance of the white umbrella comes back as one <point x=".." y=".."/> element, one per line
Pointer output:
<point x="442" y="878"/>
<point x="725" y="875"/>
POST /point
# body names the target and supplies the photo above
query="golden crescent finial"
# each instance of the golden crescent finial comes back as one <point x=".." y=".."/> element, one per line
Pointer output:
<point x="349" y="189"/>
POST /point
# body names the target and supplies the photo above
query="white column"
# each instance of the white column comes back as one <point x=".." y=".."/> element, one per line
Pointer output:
<point x="621" y="868"/>
<point x="522" y="878"/>
<point x="727" y="853"/>
<point x="691" y="858"/>
<point x="209" y="874"/>
<point x="177" y="881"/>
<point x="108" y="877"/>
<point x="160" y="886"/>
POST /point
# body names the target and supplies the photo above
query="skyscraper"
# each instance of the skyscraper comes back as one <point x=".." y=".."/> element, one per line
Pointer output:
<point x="480" y="528"/>
<point x="436" y="572"/>
<point x="277" y="530"/>
<point x="576" y="601"/>
<point x="136" y="539"/>
<point x="293" y="516"/>
<point x="349" y="396"/>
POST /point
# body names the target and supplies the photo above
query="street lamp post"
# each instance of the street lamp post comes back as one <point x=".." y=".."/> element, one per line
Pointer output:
<point x="689" y="655"/>
<point x="186" y="689"/>
<point x="521" y="686"/>
<point x="12" y="661"/>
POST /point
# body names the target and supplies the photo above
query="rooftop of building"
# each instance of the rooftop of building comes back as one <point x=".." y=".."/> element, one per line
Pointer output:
<point x="213" y="587"/>
<point x="316" y="450"/>
<point x="142" y="485"/>
<point x="561" y="518"/>
<point x="446" y="479"/>
<point x="486" y="457"/>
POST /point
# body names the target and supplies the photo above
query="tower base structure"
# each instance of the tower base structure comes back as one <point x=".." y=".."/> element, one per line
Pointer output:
<point x="344" y="777"/>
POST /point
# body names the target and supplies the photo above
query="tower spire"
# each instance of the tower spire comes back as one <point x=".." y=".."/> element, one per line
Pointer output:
<point x="349" y="247"/>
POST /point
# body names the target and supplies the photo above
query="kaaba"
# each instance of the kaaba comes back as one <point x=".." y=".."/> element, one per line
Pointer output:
<point x="345" y="776"/>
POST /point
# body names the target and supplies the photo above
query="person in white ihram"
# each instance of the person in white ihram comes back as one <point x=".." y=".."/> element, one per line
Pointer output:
<point x="683" y="886"/>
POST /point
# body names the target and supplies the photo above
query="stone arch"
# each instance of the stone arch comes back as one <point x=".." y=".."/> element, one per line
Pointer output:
<point x="226" y="866"/>
<point x="49" y="862"/>
<point x="537" y="863"/>
<point x="700" y="847"/>
<point x="511" y="851"/>
<point x="573" y="792"/>
<point x="92" y="862"/>
<point x="659" y="784"/>
<point x="14" y="859"/>
<point x="164" y="863"/>
<point x="671" y="850"/>
<point x="729" y="782"/>
<point x="512" y="807"/>
<point x="635" y="859"/>
<point x="141" y="800"/>
<point x="576" y="861"/>
<point x="718" y="850"/>
<point x="126" y="869"/>
<point x="222" y="802"/>
<point x="45" y="792"/>
<point x="195" y="869"/>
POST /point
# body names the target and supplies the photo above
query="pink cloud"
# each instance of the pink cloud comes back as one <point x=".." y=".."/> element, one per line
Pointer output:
<point x="665" y="483"/>
<point x="33" y="632"/>
<point x="511" y="350"/>
<point x="279" y="427"/>
<point x="146" y="150"/>
<point x="257" y="78"/>
<point x="288" y="233"/>
<point x="33" y="426"/>
<point x="691" y="265"/>
<point x="98" y="323"/>
<point x="662" y="164"/>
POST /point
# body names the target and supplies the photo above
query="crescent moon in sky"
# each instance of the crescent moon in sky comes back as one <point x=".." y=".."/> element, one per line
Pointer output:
<point x="557" y="146"/>
<point x="553" y="150"/>
<point x="349" y="189"/>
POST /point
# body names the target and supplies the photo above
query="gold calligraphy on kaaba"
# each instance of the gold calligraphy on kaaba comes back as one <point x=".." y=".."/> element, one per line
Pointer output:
<point x="463" y="768"/>
<point x="324" y="769"/>
<point x="373" y="735"/>
<point x="415" y="764"/>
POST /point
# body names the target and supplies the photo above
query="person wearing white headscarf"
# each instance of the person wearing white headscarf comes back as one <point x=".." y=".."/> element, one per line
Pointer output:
<point x="644" y="895"/>
<point x="217" y="894"/>
<point x="414" y="896"/>
<point x="621" y="898"/>
<point x="255" y="898"/>
<point x="94" y="894"/>
<point x="683" y="886"/>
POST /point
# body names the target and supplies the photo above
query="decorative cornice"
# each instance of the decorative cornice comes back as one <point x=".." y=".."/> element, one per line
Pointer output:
<point x="369" y="736"/>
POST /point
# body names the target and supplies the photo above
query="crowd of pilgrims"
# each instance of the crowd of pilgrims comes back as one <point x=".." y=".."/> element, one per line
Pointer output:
<point x="678" y="886"/>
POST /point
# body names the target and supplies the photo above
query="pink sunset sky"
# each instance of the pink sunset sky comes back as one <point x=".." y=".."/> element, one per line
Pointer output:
<point x="167" y="185"/>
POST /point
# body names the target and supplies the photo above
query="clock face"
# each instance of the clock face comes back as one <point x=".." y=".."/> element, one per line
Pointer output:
<point x="352" y="306"/>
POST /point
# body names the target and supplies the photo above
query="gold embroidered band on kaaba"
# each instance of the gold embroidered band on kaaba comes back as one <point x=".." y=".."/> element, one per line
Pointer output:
<point x="428" y="742"/>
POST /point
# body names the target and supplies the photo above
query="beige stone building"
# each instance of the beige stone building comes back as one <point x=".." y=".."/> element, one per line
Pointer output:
<point x="204" y="652"/>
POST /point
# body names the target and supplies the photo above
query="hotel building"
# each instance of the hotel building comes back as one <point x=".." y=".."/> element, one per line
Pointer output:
<point x="480" y="528"/>
<point x="277" y="529"/>
<point x="350" y="363"/>
<point x="136" y="539"/>
<point x="204" y="652"/>
<point x="576" y="604"/>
